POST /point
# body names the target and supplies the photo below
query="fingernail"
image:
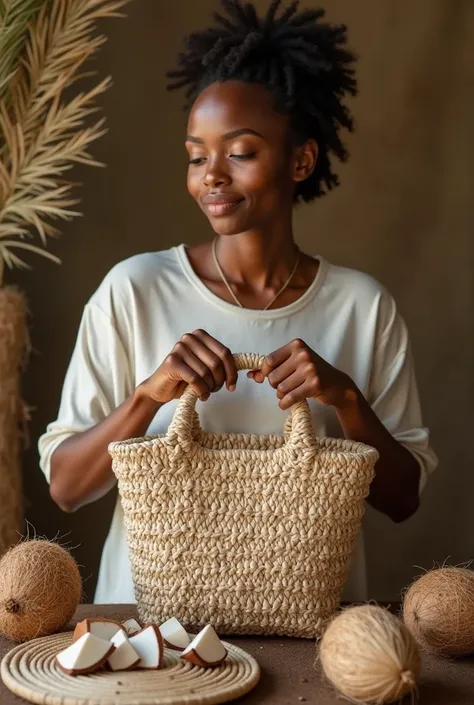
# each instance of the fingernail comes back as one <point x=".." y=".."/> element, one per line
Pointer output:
<point x="232" y="388"/>
<point x="205" y="397"/>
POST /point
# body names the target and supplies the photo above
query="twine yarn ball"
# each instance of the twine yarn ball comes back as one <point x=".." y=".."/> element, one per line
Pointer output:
<point x="40" y="589"/>
<point x="369" y="655"/>
<point x="438" y="609"/>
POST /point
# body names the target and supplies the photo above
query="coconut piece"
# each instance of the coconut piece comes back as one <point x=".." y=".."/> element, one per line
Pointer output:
<point x="86" y="655"/>
<point x="40" y="588"/>
<point x="131" y="626"/>
<point x="124" y="658"/>
<point x="148" y="643"/>
<point x="174" y="635"/>
<point x="100" y="626"/>
<point x="206" y="649"/>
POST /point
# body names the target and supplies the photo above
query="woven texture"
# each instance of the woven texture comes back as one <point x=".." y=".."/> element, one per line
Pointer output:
<point x="252" y="533"/>
<point x="14" y="343"/>
<point x="30" y="671"/>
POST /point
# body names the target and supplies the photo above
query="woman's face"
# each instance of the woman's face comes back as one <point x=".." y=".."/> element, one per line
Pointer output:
<point x="243" y="165"/>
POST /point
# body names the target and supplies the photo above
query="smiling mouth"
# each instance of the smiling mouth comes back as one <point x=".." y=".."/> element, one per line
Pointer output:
<point x="223" y="207"/>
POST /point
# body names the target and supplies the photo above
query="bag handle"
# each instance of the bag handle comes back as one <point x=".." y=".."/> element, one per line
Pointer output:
<point x="185" y="421"/>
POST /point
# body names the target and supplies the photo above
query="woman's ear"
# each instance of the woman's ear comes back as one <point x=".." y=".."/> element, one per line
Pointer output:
<point x="306" y="156"/>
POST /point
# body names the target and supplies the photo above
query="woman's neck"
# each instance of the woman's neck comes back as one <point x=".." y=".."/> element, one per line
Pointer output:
<point x="255" y="261"/>
<point x="255" y="266"/>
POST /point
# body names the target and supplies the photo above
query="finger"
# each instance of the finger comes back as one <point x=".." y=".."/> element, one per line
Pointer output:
<point x="288" y="384"/>
<point x="256" y="375"/>
<point x="207" y="357"/>
<point x="283" y="372"/>
<point x="224" y="354"/>
<point x="193" y="379"/>
<point x="188" y="356"/>
<point x="274" y="360"/>
<point x="304" y="391"/>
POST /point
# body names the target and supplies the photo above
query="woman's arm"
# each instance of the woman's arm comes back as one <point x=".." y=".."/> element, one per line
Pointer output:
<point x="297" y="372"/>
<point x="395" y="487"/>
<point x="81" y="465"/>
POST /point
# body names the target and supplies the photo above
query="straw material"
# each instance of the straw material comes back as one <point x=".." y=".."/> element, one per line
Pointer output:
<point x="13" y="346"/>
<point x="30" y="672"/>
<point x="252" y="533"/>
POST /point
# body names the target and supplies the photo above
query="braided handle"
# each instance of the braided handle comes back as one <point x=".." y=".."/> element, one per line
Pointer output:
<point x="185" y="422"/>
<point x="248" y="361"/>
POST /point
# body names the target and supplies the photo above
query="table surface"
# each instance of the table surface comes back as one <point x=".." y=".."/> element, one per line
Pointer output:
<point x="289" y="675"/>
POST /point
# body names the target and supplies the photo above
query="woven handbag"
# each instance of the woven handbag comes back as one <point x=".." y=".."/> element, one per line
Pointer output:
<point x="254" y="534"/>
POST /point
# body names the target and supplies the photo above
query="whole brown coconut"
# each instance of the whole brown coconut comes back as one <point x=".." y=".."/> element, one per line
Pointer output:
<point x="40" y="588"/>
<point x="438" y="609"/>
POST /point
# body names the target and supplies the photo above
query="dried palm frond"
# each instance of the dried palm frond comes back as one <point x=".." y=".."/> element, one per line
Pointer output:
<point x="14" y="18"/>
<point x="42" y="135"/>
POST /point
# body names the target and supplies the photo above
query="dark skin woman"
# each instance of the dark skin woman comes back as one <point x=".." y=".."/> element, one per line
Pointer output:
<point x="247" y="165"/>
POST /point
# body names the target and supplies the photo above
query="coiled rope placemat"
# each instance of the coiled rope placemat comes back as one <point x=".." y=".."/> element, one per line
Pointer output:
<point x="29" y="671"/>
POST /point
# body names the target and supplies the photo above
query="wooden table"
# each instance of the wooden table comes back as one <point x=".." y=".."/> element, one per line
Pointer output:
<point x="288" y="673"/>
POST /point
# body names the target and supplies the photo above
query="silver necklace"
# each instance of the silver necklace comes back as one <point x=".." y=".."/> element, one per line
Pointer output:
<point x="224" y="279"/>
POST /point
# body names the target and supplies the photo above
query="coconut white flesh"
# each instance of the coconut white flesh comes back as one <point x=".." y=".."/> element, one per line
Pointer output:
<point x="174" y="633"/>
<point x="207" y="646"/>
<point x="131" y="626"/>
<point x="124" y="656"/>
<point x="104" y="630"/>
<point x="148" y="647"/>
<point x="84" y="654"/>
<point x="119" y="638"/>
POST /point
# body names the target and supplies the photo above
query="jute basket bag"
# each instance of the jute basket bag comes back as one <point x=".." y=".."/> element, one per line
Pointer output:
<point x="253" y="534"/>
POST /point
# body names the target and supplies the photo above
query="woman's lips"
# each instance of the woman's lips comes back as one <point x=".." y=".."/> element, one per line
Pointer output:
<point x="220" y="208"/>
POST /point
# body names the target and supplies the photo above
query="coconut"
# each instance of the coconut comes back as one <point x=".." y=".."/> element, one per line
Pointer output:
<point x="438" y="609"/>
<point x="40" y="588"/>
<point x="369" y="655"/>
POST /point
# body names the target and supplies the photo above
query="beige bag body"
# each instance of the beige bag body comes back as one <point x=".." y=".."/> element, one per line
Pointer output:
<point x="254" y="534"/>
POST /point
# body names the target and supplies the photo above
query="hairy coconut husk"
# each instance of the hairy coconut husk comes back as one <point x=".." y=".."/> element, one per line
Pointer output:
<point x="40" y="589"/>
<point x="438" y="609"/>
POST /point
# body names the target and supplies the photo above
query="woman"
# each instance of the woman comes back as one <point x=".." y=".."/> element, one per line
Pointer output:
<point x="266" y="114"/>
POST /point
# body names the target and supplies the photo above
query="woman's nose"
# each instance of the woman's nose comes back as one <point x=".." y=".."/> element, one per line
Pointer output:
<point x="216" y="175"/>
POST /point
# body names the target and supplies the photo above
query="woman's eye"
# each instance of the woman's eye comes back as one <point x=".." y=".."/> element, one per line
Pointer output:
<point x="250" y="155"/>
<point x="197" y="160"/>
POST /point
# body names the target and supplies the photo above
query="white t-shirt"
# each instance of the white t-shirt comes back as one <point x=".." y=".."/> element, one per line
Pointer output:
<point x="146" y="303"/>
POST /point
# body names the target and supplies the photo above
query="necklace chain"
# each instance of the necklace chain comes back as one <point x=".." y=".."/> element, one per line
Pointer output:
<point x="224" y="278"/>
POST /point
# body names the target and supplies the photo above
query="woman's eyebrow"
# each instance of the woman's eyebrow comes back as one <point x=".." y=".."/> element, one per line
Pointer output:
<point x="228" y="135"/>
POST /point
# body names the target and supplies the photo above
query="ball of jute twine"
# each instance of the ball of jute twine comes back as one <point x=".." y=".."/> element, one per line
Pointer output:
<point x="369" y="655"/>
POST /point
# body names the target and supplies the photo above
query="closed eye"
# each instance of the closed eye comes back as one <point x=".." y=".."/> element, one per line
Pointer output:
<point x="250" y="155"/>
<point x="241" y="157"/>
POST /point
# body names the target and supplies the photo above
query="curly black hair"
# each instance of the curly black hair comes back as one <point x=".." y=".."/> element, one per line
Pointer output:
<point x="300" y="59"/>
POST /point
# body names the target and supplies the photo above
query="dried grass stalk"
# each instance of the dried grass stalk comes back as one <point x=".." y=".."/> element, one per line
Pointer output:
<point x="43" y="45"/>
<point x="13" y="344"/>
<point x="42" y="134"/>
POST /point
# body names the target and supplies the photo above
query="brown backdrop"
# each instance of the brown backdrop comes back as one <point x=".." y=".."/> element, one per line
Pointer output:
<point x="404" y="213"/>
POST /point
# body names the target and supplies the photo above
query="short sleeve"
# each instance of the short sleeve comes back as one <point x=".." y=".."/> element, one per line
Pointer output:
<point x="96" y="382"/>
<point x="393" y="393"/>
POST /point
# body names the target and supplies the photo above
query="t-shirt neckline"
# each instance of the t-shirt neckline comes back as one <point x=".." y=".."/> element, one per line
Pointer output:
<point x="273" y="313"/>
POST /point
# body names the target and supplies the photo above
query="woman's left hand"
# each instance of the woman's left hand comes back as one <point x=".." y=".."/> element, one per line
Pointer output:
<point x="298" y="373"/>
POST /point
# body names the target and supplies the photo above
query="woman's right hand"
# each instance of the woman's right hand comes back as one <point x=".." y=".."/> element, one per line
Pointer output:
<point x="197" y="360"/>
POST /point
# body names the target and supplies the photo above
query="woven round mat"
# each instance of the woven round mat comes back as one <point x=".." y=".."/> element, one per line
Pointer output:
<point x="29" y="670"/>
